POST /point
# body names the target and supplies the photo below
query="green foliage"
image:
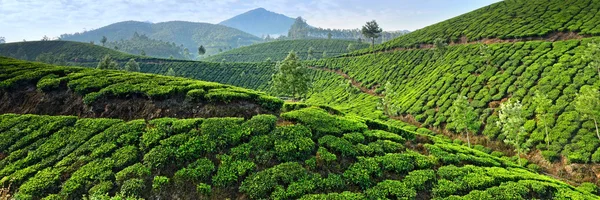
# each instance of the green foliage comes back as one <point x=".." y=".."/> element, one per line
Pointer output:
<point x="371" y="30"/>
<point x="151" y="47"/>
<point x="132" y="66"/>
<point x="132" y="187"/>
<point x="96" y="84"/>
<point x="291" y="78"/>
<point x="253" y="158"/>
<point x="159" y="182"/>
<point x="195" y="172"/>
<point x="511" y="122"/>
<point x="507" y="20"/>
<point x="587" y="104"/>
<point x="463" y="117"/>
<point x="108" y="63"/>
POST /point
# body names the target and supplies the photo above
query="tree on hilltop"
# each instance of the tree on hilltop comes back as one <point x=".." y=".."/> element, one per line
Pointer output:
<point x="372" y="30"/>
<point x="201" y="50"/>
<point x="103" y="40"/>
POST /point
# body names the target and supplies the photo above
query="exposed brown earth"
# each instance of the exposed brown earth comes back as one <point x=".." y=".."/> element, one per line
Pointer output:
<point x="551" y="37"/>
<point x="63" y="101"/>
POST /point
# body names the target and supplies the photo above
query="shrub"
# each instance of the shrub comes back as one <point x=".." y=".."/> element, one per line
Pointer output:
<point x="203" y="189"/>
<point x="325" y="156"/>
<point x="101" y="188"/>
<point x="159" y="182"/>
<point x="293" y="142"/>
<point x="195" y="172"/>
<point x="260" y="124"/>
<point x="137" y="170"/>
<point x="133" y="187"/>
<point x="230" y="170"/>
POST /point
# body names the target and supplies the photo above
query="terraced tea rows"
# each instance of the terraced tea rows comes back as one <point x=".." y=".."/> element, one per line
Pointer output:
<point x="315" y="156"/>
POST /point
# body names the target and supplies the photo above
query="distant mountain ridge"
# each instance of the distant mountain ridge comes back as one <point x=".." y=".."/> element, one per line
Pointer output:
<point x="260" y="22"/>
<point x="189" y="34"/>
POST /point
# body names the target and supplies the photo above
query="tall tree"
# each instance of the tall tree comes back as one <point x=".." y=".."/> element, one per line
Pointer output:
<point x="291" y="77"/>
<point x="186" y="53"/>
<point x="511" y="123"/>
<point x="350" y="47"/>
<point x="2" y="40"/>
<point x="329" y="35"/>
<point x="143" y="53"/>
<point x="103" y="40"/>
<point x="592" y="55"/>
<point x="371" y="30"/>
<point x="310" y="53"/>
<point x="587" y="103"/>
<point x="299" y="29"/>
<point x="440" y="45"/>
<point x="45" y="38"/>
<point x="132" y="66"/>
<point x="171" y="72"/>
<point x="107" y="63"/>
<point x="463" y="117"/>
<point x="201" y="50"/>
<point x="542" y="106"/>
<point x="324" y="54"/>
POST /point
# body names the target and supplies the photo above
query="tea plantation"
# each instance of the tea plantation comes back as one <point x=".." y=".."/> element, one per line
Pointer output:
<point x="306" y="154"/>
<point x="278" y="50"/>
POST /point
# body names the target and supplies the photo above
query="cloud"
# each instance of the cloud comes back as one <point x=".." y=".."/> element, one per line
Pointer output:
<point x="32" y="19"/>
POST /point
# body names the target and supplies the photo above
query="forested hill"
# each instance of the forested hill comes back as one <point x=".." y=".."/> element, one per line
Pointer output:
<point x="189" y="34"/>
<point x="278" y="50"/>
<point x="261" y="22"/>
<point x="145" y="46"/>
<point x="515" y="19"/>
<point x="60" y="52"/>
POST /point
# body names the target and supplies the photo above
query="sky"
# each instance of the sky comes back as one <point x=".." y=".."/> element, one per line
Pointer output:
<point x="33" y="19"/>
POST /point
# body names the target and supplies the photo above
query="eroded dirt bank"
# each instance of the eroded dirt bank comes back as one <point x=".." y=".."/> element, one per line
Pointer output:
<point x="28" y="100"/>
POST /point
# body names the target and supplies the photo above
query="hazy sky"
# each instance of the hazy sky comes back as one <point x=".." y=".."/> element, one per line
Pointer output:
<point x="32" y="19"/>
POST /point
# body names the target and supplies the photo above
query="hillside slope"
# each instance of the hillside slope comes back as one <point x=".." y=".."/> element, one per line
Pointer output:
<point x="278" y="50"/>
<point x="189" y="34"/>
<point x="515" y="19"/>
<point x="60" y="52"/>
<point x="35" y="88"/>
<point x="315" y="156"/>
<point x="260" y="22"/>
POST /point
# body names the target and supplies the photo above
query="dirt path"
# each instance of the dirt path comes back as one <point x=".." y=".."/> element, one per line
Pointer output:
<point x="573" y="174"/>
<point x="355" y="83"/>
<point x="552" y="37"/>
